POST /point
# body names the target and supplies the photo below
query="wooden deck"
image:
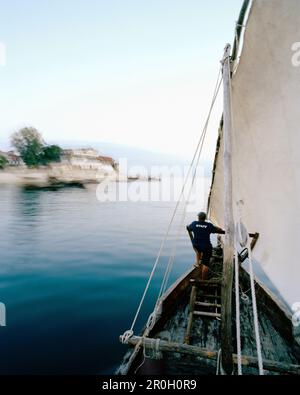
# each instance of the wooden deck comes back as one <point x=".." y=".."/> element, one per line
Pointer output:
<point x="281" y="353"/>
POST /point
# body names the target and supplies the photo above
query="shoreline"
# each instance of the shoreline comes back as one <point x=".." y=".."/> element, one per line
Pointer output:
<point x="60" y="176"/>
<point x="43" y="177"/>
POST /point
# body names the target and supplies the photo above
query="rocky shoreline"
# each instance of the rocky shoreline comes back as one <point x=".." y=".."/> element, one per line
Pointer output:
<point x="55" y="176"/>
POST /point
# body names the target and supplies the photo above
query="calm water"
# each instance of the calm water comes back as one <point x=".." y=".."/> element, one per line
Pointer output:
<point x="72" y="273"/>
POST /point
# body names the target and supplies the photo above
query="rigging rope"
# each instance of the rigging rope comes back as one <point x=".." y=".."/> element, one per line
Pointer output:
<point x="152" y="319"/>
<point x="219" y="362"/>
<point x="255" y="314"/>
<point x="244" y="241"/>
<point x="237" y="309"/>
<point x="180" y="228"/>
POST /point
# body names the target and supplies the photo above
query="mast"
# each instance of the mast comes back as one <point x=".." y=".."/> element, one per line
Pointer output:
<point x="226" y="324"/>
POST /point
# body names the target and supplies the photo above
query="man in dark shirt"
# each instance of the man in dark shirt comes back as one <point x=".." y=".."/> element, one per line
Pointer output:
<point x="200" y="232"/>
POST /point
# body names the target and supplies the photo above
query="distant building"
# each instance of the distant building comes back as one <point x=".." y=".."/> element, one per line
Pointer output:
<point x="13" y="158"/>
<point x="88" y="159"/>
<point x="108" y="161"/>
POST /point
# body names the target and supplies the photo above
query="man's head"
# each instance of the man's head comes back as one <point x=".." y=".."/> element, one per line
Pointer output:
<point x="202" y="216"/>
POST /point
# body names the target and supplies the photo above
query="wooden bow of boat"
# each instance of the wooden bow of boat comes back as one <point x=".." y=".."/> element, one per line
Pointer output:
<point x="191" y="330"/>
<point x="199" y="356"/>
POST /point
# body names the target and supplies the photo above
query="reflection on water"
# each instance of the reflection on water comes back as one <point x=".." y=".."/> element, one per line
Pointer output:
<point x="72" y="273"/>
<point x="28" y="202"/>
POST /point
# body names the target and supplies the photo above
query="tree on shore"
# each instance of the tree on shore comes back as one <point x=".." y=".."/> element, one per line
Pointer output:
<point x="29" y="143"/>
<point x="3" y="162"/>
<point x="32" y="148"/>
<point x="51" y="153"/>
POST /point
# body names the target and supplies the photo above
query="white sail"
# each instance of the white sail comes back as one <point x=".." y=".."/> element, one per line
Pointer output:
<point x="266" y="142"/>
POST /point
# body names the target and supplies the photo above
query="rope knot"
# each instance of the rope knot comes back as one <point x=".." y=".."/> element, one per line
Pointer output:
<point x="151" y="321"/>
<point x="154" y="317"/>
<point x="155" y="353"/>
<point x="158" y="353"/>
<point x="126" y="336"/>
<point x="227" y="54"/>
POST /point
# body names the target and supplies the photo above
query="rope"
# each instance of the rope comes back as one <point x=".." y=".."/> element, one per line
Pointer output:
<point x="152" y="319"/>
<point x="126" y="336"/>
<point x="240" y="239"/>
<point x="180" y="228"/>
<point x="132" y="358"/>
<point x="196" y="155"/>
<point x="251" y="272"/>
<point x="219" y="362"/>
<point x="245" y="241"/>
<point x="141" y="342"/>
<point x="168" y="271"/>
<point x="220" y="371"/>
<point x="237" y="308"/>
<point x="255" y="314"/>
<point x="244" y="296"/>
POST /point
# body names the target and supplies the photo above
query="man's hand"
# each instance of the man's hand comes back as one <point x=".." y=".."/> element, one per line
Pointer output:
<point x="220" y="231"/>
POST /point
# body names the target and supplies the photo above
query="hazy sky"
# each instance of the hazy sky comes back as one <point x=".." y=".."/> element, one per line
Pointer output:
<point x="132" y="72"/>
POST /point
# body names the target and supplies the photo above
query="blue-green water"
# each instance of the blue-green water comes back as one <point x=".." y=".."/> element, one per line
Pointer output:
<point x="72" y="271"/>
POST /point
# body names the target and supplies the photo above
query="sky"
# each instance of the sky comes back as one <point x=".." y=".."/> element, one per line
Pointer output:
<point x="133" y="72"/>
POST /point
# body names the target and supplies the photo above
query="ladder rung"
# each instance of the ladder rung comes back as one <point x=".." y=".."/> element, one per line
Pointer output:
<point x="209" y="282"/>
<point x="207" y="304"/>
<point x="203" y="314"/>
<point x="207" y="285"/>
<point x="211" y="296"/>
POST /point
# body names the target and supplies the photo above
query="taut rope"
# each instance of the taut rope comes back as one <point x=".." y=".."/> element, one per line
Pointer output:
<point x="195" y="162"/>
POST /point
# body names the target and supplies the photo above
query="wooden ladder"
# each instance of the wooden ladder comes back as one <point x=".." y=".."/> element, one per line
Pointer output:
<point x="205" y="301"/>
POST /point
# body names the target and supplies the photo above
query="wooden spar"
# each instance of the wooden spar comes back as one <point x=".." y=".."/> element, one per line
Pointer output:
<point x="164" y="346"/>
<point x="239" y="29"/>
<point x="226" y="324"/>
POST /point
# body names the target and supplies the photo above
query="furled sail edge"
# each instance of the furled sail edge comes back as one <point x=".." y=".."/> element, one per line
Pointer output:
<point x="243" y="20"/>
<point x="237" y="46"/>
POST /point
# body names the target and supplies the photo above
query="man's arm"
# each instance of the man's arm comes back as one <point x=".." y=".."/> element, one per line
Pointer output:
<point x="219" y="231"/>
<point x="190" y="233"/>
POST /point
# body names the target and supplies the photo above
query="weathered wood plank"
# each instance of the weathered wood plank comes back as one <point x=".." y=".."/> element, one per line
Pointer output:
<point x="275" y="323"/>
<point x="270" y="305"/>
<point x="204" y="314"/>
<point x="191" y="315"/>
<point x="173" y="297"/>
<point x="249" y="361"/>
<point x="211" y="296"/>
<point x="207" y="283"/>
<point x="226" y="326"/>
<point x="207" y="304"/>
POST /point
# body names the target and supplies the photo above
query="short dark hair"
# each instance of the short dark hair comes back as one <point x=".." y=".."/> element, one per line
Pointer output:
<point x="202" y="216"/>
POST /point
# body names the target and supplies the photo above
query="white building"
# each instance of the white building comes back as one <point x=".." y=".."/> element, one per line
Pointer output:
<point x="88" y="159"/>
<point x="13" y="158"/>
